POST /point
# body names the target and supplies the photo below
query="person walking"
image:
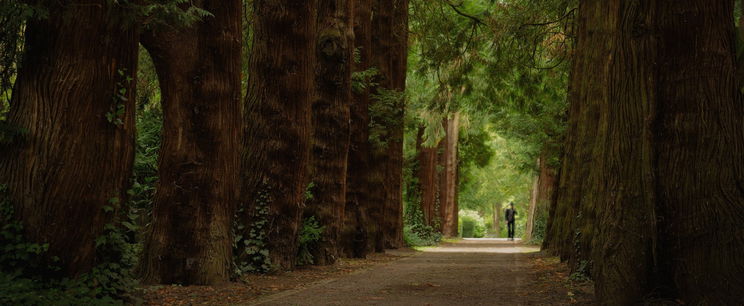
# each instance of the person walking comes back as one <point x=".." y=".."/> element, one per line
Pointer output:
<point x="511" y="216"/>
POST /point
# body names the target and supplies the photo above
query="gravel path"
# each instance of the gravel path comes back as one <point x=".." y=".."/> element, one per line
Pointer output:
<point x="468" y="272"/>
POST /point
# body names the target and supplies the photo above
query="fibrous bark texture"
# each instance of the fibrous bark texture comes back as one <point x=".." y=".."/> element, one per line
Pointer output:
<point x="74" y="97"/>
<point x="650" y="187"/>
<point x="448" y="202"/>
<point x="542" y="193"/>
<point x="330" y="147"/>
<point x="393" y="218"/>
<point x="277" y="118"/>
<point x="189" y="241"/>
<point x="359" y="228"/>
<point x="427" y="178"/>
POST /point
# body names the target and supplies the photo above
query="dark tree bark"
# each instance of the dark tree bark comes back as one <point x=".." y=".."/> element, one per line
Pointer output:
<point x="699" y="138"/>
<point x="393" y="219"/>
<point x="198" y="68"/>
<point x="331" y="124"/>
<point x="75" y="98"/>
<point x="659" y="210"/>
<point x="277" y="118"/>
<point x="382" y="53"/>
<point x="359" y="228"/>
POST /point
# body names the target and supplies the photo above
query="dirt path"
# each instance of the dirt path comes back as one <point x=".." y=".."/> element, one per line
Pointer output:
<point x="468" y="272"/>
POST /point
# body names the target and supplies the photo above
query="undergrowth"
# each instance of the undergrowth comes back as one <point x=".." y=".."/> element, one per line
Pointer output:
<point x="29" y="277"/>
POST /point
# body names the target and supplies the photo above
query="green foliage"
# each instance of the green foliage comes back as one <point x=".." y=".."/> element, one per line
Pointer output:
<point x="29" y="277"/>
<point x="363" y="80"/>
<point x="472" y="224"/>
<point x="539" y="227"/>
<point x="420" y="235"/>
<point x="582" y="273"/>
<point x="385" y="112"/>
<point x="309" y="236"/>
<point x="251" y="251"/>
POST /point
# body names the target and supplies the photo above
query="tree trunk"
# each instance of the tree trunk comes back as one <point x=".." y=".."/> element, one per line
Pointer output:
<point x="658" y="211"/>
<point x="198" y="68"/>
<point x="394" y="178"/>
<point x="382" y="53"/>
<point x="532" y="208"/>
<point x="427" y="179"/>
<point x="449" y="201"/>
<point x="331" y="124"/>
<point x="74" y="97"/>
<point x="278" y="128"/>
<point x="497" y="219"/>
<point x="359" y="229"/>
<point x="542" y="193"/>
<point x="700" y="152"/>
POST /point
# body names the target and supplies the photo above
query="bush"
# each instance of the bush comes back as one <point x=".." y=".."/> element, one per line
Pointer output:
<point x="420" y="235"/>
<point x="309" y="237"/>
<point x="472" y="225"/>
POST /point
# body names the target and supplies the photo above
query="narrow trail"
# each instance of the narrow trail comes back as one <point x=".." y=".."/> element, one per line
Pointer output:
<point x="468" y="272"/>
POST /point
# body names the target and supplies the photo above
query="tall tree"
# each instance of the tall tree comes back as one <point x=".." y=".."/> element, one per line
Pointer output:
<point x="542" y="193"/>
<point x="398" y="68"/>
<point x="74" y="97"/>
<point x="331" y="117"/>
<point x="360" y="210"/>
<point x="448" y="201"/>
<point x="278" y="128"/>
<point x="198" y="68"/>
<point x="647" y="191"/>
<point x="427" y="178"/>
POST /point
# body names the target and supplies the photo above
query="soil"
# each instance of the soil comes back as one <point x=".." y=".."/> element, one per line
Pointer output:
<point x="464" y="272"/>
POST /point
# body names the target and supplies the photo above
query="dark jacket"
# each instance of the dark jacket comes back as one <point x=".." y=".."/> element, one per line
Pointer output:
<point x="510" y="214"/>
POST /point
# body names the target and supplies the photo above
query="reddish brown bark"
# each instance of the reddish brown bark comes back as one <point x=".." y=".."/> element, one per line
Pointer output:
<point x="359" y="228"/>
<point x="277" y="117"/>
<point x="427" y="179"/>
<point x="189" y="241"/>
<point x="331" y="124"/>
<point x="652" y="161"/>
<point x="379" y="174"/>
<point x="448" y="200"/>
<point x="542" y="193"/>
<point x="74" y="159"/>
<point x="393" y="219"/>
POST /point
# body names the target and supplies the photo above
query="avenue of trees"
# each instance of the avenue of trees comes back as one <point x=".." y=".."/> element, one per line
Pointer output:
<point x="190" y="142"/>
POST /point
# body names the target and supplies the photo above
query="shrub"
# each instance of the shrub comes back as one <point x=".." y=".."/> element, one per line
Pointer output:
<point x="472" y="224"/>
<point x="309" y="237"/>
<point x="420" y="235"/>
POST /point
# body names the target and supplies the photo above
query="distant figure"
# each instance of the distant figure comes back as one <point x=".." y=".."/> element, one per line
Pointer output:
<point x="511" y="216"/>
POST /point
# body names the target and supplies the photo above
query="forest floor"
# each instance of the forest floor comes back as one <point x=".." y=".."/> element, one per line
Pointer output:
<point x="464" y="272"/>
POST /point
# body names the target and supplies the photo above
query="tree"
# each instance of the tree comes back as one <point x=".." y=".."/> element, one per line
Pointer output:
<point x="542" y="193"/>
<point x="638" y="195"/>
<point x="331" y="117"/>
<point x="448" y="201"/>
<point x="277" y="123"/>
<point x="74" y="98"/>
<point x="189" y="241"/>
<point x="393" y="16"/>
<point x="360" y="213"/>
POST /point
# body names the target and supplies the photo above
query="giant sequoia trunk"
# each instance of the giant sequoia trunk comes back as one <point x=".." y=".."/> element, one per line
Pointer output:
<point x="380" y="186"/>
<point x="648" y="189"/>
<point x="542" y="193"/>
<point x="331" y="124"/>
<point x="75" y="98"/>
<point x="448" y="200"/>
<point x="700" y="151"/>
<point x="393" y="219"/>
<point x="359" y="226"/>
<point x="427" y="179"/>
<point x="277" y="118"/>
<point x="189" y="241"/>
